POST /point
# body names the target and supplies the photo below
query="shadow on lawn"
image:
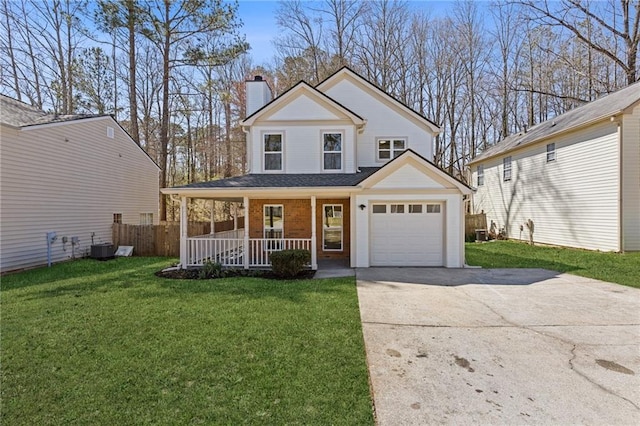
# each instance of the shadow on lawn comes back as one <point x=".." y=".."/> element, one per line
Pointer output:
<point x="248" y="287"/>
<point x="499" y="259"/>
<point x="140" y="282"/>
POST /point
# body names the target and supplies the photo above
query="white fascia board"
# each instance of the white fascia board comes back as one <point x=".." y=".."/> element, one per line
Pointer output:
<point x="297" y="192"/>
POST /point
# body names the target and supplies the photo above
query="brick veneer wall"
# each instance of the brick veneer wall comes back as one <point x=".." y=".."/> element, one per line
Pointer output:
<point x="297" y="222"/>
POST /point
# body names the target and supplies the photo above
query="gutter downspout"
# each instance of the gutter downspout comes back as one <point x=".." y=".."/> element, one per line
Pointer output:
<point x="247" y="131"/>
<point x="618" y="120"/>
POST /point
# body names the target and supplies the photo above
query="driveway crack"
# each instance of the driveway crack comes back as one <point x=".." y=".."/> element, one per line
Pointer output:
<point x="567" y="342"/>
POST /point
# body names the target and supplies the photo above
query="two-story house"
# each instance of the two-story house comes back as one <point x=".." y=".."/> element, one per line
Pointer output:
<point x="341" y="169"/>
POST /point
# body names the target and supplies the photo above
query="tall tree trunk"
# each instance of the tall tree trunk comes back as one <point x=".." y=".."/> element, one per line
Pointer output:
<point x="133" y="100"/>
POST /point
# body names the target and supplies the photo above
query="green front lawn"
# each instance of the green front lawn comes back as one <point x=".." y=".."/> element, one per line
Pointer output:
<point x="613" y="267"/>
<point x="109" y="343"/>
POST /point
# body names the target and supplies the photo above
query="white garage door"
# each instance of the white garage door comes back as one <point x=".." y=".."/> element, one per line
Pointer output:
<point x="407" y="234"/>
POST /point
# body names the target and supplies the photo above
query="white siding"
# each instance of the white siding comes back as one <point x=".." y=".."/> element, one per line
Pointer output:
<point x="303" y="108"/>
<point x="573" y="201"/>
<point x="69" y="178"/>
<point x="302" y="146"/>
<point x="383" y="120"/>
<point x="408" y="177"/>
<point x="631" y="180"/>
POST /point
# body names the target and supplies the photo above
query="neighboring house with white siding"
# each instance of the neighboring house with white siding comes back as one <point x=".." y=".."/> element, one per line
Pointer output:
<point x="576" y="176"/>
<point x="341" y="169"/>
<point x="73" y="175"/>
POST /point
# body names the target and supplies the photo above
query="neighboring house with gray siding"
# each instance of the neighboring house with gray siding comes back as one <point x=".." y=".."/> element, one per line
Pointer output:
<point x="74" y="175"/>
<point x="576" y="176"/>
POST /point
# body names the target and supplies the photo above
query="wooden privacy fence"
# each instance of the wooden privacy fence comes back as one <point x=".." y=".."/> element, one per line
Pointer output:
<point x="473" y="222"/>
<point x="162" y="239"/>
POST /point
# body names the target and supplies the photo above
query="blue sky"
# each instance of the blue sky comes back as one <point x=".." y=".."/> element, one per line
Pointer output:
<point x="260" y="26"/>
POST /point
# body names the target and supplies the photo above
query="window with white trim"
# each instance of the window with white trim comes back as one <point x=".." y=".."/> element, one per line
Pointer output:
<point x="117" y="218"/>
<point x="415" y="208"/>
<point x="272" y="151"/>
<point x="332" y="227"/>
<point x="397" y="208"/>
<point x="480" y="175"/>
<point x="551" y="152"/>
<point x="146" y="218"/>
<point x="379" y="208"/>
<point x="332" y="151"/>
<point x="506" y="169"/>
<point x="273" y="221"/>
<point x="390" y="148"/>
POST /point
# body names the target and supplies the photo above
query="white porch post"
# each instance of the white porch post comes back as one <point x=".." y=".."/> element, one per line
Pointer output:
<point x="213" y="217"/>
<point x="247" y="251"/>
<point x="183" y="233"/>
<point x="235" y="216"/>
<point x="314" y="254"/>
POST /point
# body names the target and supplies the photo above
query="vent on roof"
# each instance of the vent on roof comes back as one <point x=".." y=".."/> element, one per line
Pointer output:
<point x="110" y="133"/>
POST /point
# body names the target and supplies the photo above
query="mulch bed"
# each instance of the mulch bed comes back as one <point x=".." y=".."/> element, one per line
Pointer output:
<point x="194" y="274"/>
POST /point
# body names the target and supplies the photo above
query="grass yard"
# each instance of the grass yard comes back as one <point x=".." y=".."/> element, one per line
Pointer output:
<point x="92" y="342"/>
<point x="613" y="267"/>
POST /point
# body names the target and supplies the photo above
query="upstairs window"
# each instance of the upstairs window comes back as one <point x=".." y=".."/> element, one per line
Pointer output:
<point x="390" y="148"/>
<point x="332" y="151"/>
<point x="506" y="172"/>
<point x="480" y="175"/>
<point x="273" y="151"/>
<point x="551" y="152"/>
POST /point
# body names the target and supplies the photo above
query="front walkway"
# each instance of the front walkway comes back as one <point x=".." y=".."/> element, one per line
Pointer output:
<point x="511" y="346"/>
<point x="334" y="269"/>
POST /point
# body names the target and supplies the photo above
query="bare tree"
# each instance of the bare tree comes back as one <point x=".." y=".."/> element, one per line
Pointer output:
<point x="571" y="15"/>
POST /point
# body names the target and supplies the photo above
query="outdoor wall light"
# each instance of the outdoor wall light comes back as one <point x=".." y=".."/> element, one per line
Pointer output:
<point x="362" y="206"/>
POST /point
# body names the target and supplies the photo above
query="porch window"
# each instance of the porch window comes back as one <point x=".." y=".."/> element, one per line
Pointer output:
<point x="390" y="148"/>
<point x="273" y="225"/>
<point x="332" y="151"/>
<point x="273" y="151"/>
<point x="506" y="172"/>
<point x="332" y="227"/>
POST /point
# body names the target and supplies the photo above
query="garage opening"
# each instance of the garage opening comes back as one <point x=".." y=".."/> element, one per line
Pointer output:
<point x="407" y="234"/>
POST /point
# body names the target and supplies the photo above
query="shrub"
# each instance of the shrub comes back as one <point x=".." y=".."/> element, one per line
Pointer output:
<point x="210" y="270"/>
<point x="289" y="263"/>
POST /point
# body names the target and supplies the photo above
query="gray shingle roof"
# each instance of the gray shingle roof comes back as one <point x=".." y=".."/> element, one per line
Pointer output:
<point x="19" y="114"/>
<point x="281" y="180"/>
<point x="599" y="109"/>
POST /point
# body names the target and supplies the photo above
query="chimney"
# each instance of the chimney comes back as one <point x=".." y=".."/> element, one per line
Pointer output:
<point x="258" y="94"/>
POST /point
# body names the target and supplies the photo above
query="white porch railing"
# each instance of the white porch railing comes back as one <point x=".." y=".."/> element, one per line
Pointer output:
<point x="232" y="251"/>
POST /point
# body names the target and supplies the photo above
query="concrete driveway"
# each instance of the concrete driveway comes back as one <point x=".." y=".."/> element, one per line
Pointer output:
<point x="501" y="346"/>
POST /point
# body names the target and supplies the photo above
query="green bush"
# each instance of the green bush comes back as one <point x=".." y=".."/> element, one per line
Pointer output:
<point x="289" y="263"/>
<point x="211" y="270"/>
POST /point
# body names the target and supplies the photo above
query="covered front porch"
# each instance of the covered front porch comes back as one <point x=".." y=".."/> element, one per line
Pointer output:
<point x="270" y="224"/>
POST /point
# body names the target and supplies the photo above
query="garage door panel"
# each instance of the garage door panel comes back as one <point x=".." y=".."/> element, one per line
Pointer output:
<point x="406" y="239"/>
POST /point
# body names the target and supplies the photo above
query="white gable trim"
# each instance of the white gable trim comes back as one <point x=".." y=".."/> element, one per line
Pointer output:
<point x="295" y="92"/>
<point x="346" y="73"/>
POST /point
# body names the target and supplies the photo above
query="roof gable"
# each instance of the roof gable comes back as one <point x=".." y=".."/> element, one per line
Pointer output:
<point x="303" y="102"/>
<point x="605" y="108"/>
<point x="19" y="114"/>
<point x="347" y="74"/>
<point x="412" y="171"/>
